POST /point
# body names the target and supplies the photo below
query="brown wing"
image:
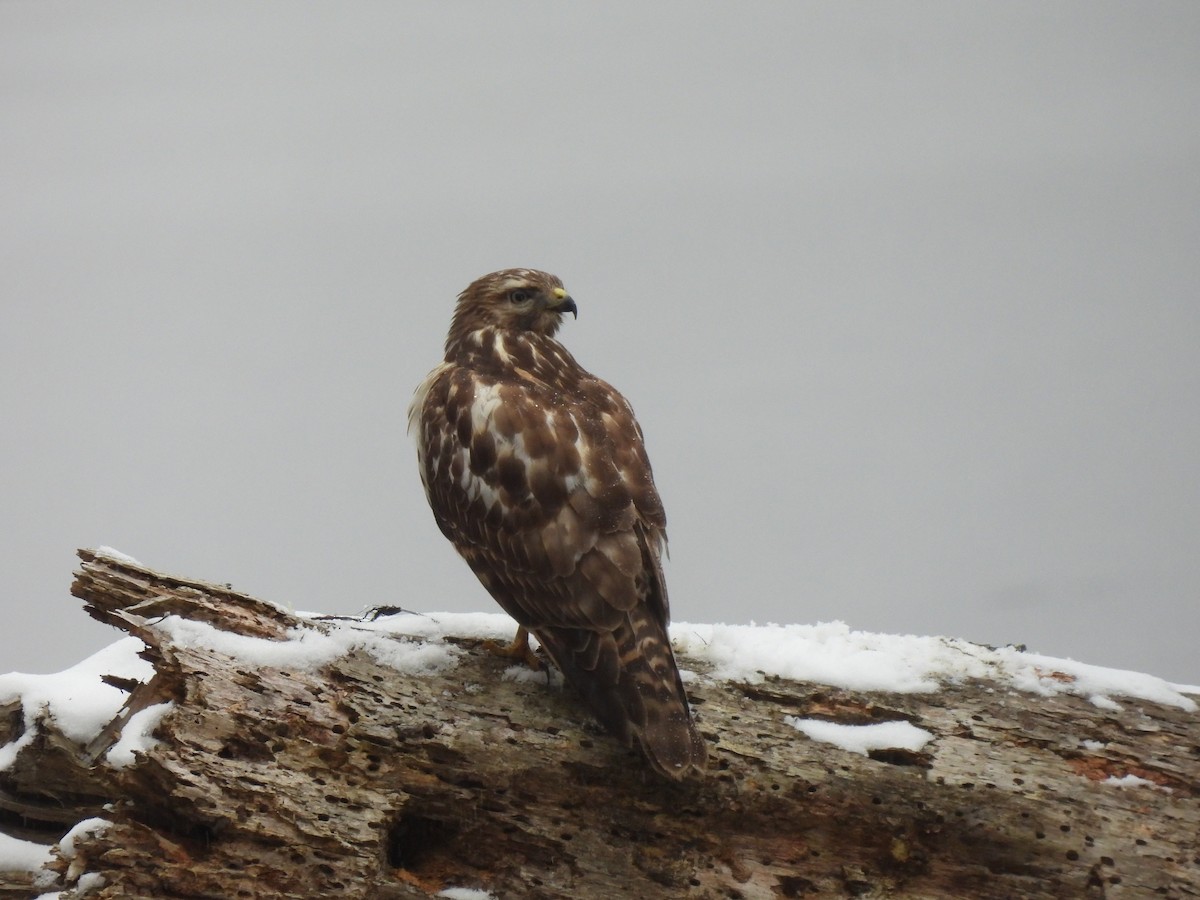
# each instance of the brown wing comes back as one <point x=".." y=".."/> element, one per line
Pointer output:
<point x="547" y="493"/>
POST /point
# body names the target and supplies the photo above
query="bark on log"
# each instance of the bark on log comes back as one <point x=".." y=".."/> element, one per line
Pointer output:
<point x="354" y="781"/>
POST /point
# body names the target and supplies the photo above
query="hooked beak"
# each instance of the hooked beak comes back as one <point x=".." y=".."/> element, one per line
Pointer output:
<point x="564" y="304"/>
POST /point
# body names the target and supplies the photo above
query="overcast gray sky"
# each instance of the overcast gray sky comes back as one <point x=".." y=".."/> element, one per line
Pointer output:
<point x="905" y="296"/>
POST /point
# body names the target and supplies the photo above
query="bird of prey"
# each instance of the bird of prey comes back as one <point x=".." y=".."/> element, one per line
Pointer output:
<point x="536" y="471"/>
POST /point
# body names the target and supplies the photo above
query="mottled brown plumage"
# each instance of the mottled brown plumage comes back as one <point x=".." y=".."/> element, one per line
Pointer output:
<point x="536" y="472"/>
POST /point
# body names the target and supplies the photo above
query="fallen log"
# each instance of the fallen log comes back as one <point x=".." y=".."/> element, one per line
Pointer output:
<point x="262" y="753"/>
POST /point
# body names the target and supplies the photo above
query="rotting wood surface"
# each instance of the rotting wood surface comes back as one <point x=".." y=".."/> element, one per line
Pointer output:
<point x="357" y="781"/>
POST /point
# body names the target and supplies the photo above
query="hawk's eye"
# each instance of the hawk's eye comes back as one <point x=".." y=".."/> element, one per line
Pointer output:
<point x="520" y="295"/>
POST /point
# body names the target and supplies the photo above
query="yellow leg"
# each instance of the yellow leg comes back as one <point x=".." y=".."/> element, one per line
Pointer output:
<point x="519" y="649"/>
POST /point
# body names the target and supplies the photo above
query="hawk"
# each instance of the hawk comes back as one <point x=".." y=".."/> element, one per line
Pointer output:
<point x="536" y="472"/>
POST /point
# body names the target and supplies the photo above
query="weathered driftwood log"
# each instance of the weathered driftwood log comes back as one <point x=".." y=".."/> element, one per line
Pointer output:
<point x="351" y="779"/>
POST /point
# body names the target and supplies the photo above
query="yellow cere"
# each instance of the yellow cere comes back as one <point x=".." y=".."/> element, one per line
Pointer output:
<point x="560" y="293"/>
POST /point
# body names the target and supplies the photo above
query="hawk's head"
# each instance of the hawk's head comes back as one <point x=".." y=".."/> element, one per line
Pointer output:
<point x="516" y="299"/>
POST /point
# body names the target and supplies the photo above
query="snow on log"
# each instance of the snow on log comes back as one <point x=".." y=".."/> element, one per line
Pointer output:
<point x="229" y="748"/>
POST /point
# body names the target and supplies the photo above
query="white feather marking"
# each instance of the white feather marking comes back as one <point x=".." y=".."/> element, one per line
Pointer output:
<point x="516" y="281"/>
<point x="415" y="411"/>
<point x="487" y="401"/>
<point x="574" y="481"/>
<point x="501" y="349"/>
<point x="482" y="407"/>
<point x="516" y="446"/>
<point x="478" y="489"/>
<point x="419" y="396"/>
<point x="463" y="455"/>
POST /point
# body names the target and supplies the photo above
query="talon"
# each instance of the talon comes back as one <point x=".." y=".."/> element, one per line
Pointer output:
<point x="519" y="649"/>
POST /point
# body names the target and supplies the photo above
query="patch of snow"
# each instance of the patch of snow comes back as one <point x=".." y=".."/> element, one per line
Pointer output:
<point x="118" y="556"/>
<point x="831" y="653"/>
<point x="494" y="626"/>
<point x="413" y="657"/>
<point x="460" y="893"/>
<point x="1092" y="745"/>
<point x="136" y="735"/>
<point x="863" y="738"/>
<point x="834" y="654"/>
<point x="1133" y="781"/>
<point x="10" y="751"/>
<point x="304" y="649"/>
<point x="310" y="648"/>
<point x="17" y="855"/>
<point x="522" y="674"/>
<point x="84" y="829"/>
<point x="89" y="881"/>
<point x="76" y="699"/>
<point x="84" y="881"/>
